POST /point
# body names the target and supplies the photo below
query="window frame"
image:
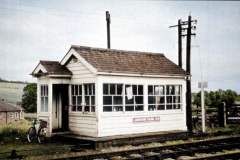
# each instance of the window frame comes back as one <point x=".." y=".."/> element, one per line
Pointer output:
<point x="44" y="91"/>
<point x="113" y="95"/>
<point x="81" y="93"/>
<point x="107" y="93"/>
<point x="180" y="103"/>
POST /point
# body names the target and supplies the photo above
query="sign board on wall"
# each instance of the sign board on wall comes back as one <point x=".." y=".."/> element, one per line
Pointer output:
<point x="146" y="119"/>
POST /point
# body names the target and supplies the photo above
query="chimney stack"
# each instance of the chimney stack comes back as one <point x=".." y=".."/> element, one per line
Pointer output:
<point x="108" y="29"/>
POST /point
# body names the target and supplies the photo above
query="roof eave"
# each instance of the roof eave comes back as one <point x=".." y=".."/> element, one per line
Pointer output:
<point x="143" y="75"/>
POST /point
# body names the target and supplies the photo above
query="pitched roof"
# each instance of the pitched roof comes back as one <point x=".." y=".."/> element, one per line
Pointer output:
<point x="6" y="107"/>
<point x="54" y="68"/>
<point x="132" y="62"/>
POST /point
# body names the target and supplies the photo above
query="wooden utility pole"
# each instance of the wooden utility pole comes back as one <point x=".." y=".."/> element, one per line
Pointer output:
<point x="179" y="43"/>
<point x="188" y="63"/>
<point x="108" y="29"/>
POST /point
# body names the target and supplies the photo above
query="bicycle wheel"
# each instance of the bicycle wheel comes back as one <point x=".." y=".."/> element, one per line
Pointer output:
<point x="31" y="134"/>
<point x="41" y="135"/>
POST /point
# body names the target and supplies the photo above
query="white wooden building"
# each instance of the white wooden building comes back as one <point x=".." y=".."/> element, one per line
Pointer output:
<point x="105" y="92"/>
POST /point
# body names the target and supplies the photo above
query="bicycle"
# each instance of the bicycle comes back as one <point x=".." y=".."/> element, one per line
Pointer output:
<point x="37" y="131"/>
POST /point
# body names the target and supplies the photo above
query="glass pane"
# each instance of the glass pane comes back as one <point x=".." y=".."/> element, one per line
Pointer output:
<point x="76" y="90"/>
<point x="46" y="104"/>
<point x="105" y="89"/>
<point x="86" y="109"/>
<point x="140" y="90"/>
<point x="128" y="101"/>
<point x="178" y="106"/>
<point x="162" y="99"/>
<point x="151" y="100"/>
<point x="178" y="99"/>
<point x="42" y="104"/>
<point x="86" y="91"/>
<point x="87" y="100"/>
<point x="162" y="90"/>
<point x="92" y="100"/>
<point x="169" y="106"/>
<point x="79" y="108"/>
<point x="177" y="90"/>
<point x="80" y="90"/>
<point x="117" y="100"/>
<point x="171" y="90"/>
<point x="90" y="89"/>
<point x="46" y="94"/>
<point x="73" y="108"/>
<point x="119" y="89"/>
<point x="157" y="90"/>
<point x="42" y="91"/>
<point x="92" y="108"/>
<point x="134" y="89"/>
<point x="112" y="89"/>
<point x="151" y="107"/>
<point x="79" y="100"/>
<point x="150" y="90"/>
<point x="74" y="101"/>
<point x="139" y="108"/>
<point x="158" y="99"/>
<point x="117" y="108"/>
<point x="160" y="107"/>
<point x="72" y="89"/>
<point x="169" y="99"/>
<point x="93" y="88"/>
<point x="129" y="108"/>
<point x="107" y="108"/>
<point x="107" y="99"/>
<point x="139" y="99"/>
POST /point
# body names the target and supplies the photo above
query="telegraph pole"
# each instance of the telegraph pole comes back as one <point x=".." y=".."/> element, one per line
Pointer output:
<point x="179" y="43"/>
<point x="188" y="35"/>
<point x="108" y="29"/>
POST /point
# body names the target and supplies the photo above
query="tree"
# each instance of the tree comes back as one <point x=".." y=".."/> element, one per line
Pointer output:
<point x="29" y="98"/>
<point x="215" y="98"/>
<point x="229" y="97"/>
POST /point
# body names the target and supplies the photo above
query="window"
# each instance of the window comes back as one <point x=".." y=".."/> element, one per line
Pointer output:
<point x="112" y="97"/>
<point x="173" y="96"/>
<point x="77" y="98"/>
<point x="89" y="94"/>
<point x="134" y="97"/>
<point x="44" y="98"/>
<point x="162" y="97"/>
<point x="156" y="97"/>
<point x="83" y="98"/>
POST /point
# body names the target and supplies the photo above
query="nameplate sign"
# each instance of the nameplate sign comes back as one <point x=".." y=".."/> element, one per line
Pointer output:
<point x="146" y="119"/>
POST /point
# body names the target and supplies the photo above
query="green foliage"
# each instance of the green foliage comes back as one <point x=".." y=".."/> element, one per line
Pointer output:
<point x="29" y="98"/>
<point x="215" y="98"/>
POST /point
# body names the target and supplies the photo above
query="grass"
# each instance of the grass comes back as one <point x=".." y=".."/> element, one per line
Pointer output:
<point x="13" y="137"/>
<point x="14" y="132"/>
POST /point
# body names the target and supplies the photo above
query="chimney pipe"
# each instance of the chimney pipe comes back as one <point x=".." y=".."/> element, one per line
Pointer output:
<point x="108" y="29"/>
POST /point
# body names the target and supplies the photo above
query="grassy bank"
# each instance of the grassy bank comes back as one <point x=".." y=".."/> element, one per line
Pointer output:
<point x="14" y="132"/>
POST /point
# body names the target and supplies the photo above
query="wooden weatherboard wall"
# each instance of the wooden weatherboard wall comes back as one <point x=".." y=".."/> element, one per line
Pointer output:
<point x="117" y="123"/>
<point x="82" y="123"/>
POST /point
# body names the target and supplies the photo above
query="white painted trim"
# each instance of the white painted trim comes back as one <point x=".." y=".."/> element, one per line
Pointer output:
<point x="38" y="68"/>
<point x="141" y="75"/>
<point x="80" y="58"/>
<point x="50" y="97"/>
<point x="54" y="75"/>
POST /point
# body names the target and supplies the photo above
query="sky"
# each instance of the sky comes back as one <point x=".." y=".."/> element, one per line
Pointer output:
<point x="44" y="30"/>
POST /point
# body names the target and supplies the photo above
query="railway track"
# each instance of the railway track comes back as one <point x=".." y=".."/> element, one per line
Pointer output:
<point x="178" y="151"/>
